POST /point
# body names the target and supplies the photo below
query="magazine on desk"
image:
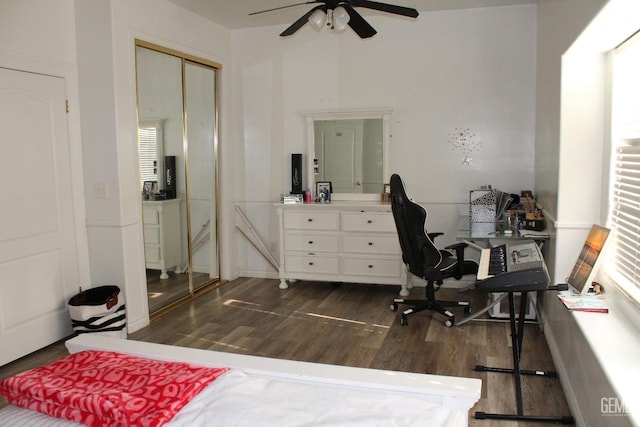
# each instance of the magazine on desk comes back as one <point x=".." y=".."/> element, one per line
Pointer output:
<point x="588" y="303"/>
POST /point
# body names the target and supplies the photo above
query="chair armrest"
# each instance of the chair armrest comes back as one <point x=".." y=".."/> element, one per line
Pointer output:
<point x="457" y="246"/>
<point x="432" y="236"/>
<point x="459" y="249"/>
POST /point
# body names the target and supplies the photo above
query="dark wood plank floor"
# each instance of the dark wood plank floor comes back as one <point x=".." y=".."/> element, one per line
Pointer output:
<point x="351" y="325"/>
<point x="163" y="292"/>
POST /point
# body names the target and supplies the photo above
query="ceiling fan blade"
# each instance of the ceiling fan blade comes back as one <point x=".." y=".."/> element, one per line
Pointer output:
<point x="385" y="7"/>
<point x="302" y="21"/>
<point x="358" y="24"/>
<point x="284" y="7"/>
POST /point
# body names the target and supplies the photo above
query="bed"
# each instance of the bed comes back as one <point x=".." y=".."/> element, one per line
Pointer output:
<point x="264" y="391"/>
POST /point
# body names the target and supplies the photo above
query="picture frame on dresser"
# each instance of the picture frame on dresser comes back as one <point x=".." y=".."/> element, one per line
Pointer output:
<point x="324" y="187"/>
<point x="148" y="186"/>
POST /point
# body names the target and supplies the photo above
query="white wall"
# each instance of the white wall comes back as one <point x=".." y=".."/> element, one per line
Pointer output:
<point x="471" y="68"/>
<point x="38" y="29"/>
<point x="559" y="24"/>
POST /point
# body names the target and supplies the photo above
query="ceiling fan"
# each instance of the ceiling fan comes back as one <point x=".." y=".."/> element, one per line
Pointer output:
<point x="337" y="14"/>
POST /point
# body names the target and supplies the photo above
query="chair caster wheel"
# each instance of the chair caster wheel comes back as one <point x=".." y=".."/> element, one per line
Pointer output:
<point x="404" y="321"/>
<point x="448" y="323"/>
<point x="393" y="307"/>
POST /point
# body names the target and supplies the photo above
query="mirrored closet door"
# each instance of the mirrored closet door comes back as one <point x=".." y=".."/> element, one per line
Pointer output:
<point x="177" y="128"/>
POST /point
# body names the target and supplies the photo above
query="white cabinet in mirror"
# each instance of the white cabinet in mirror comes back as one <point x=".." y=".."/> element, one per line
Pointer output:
<point x="349" y="149"/>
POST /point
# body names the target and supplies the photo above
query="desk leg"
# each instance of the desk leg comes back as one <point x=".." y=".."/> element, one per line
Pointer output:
<point x="516" y="343"/>
<point x="517" y="333"/>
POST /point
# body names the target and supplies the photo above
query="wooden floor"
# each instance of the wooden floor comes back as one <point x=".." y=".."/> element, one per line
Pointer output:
<point x="163" y="292"/>
<point x="352" y="325"/>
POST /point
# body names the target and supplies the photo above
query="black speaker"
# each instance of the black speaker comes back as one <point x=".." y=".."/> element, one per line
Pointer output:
<point x="296" y="174"/>
<point x="170" y="186"/>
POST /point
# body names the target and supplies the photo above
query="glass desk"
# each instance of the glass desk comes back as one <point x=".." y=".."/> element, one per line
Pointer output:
<point x="480" y="234"/>
<point x="484" y="235"/>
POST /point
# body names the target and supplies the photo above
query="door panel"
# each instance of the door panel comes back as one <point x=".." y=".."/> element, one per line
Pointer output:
<point x="339" y="149"/>
<point x="200" y="91"/>
<point x="38" y="262"/>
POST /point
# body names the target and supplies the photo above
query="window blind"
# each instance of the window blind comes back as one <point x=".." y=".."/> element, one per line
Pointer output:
<point x="624" y="208"/>
<point x="148" y="148"/>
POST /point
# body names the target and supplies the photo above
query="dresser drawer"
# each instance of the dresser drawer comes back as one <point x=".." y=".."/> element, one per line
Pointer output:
<point x="387" y="267"/>
<point x="152" y="235"/>
<point x="311" y="221"/>
<point x="371" y="244"/>
<point x="150" y="216"/>
<point x="311" y="242"/>
<point x="368" y="221"/>
<point x="312" y="264"/>
<point x="152" y="254"/>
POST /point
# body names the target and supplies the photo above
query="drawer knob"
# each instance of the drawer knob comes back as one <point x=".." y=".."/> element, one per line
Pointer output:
<point x="311" y="263"/>
<point x="311" y="242"/>
<point x="370" y="243"/>
<point x="369" y="221"/>
<point x="370" y="266"/>
<point x="310" y="219"/>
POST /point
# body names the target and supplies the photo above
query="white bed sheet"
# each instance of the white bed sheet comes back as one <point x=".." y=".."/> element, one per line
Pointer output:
<point x="238" y="399"/>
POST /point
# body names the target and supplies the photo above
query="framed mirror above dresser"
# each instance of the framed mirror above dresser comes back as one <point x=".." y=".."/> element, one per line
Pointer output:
<point x="349" y="149"/>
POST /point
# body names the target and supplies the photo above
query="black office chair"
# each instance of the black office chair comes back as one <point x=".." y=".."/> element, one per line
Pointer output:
<point x="422" y="257"/>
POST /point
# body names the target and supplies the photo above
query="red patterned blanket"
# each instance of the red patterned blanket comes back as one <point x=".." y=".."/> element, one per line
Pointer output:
<point x="99" y="388"/>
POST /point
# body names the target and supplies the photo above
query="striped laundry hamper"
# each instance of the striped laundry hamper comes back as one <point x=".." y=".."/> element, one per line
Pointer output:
<point x="99" y="310"/>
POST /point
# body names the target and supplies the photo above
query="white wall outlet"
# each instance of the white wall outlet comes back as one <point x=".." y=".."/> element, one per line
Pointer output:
<point x="100" y="190"/>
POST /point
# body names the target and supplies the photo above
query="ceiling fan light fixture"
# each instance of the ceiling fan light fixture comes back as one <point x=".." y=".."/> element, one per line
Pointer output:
<point x="318" y="19"/>
<point x="338" y="14"/>
<point x="340" y="19"/>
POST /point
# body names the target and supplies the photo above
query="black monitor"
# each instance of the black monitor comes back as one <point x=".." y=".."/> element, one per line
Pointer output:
<point x="584" y="267"/>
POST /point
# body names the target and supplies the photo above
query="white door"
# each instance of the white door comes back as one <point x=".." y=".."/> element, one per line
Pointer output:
<point x="340" y="154"/>
<point x="38" y="262"/>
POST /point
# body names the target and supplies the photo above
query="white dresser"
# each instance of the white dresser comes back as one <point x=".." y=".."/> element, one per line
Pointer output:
<point x="162" y="245"/>
<point x="352" y="242"/>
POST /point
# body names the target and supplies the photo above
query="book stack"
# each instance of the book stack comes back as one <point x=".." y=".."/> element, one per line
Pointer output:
<point x="587" y="303"/>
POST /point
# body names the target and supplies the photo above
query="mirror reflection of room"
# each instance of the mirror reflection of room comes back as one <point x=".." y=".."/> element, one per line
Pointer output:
<point x="349" y="154"/>
<point x="349" y="149"/>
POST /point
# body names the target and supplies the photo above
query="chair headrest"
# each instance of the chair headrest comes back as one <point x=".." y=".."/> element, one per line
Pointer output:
<point x="396" y="186"/>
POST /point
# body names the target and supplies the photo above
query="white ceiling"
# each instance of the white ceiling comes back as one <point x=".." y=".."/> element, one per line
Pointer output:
<point x="235" y="13"/>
